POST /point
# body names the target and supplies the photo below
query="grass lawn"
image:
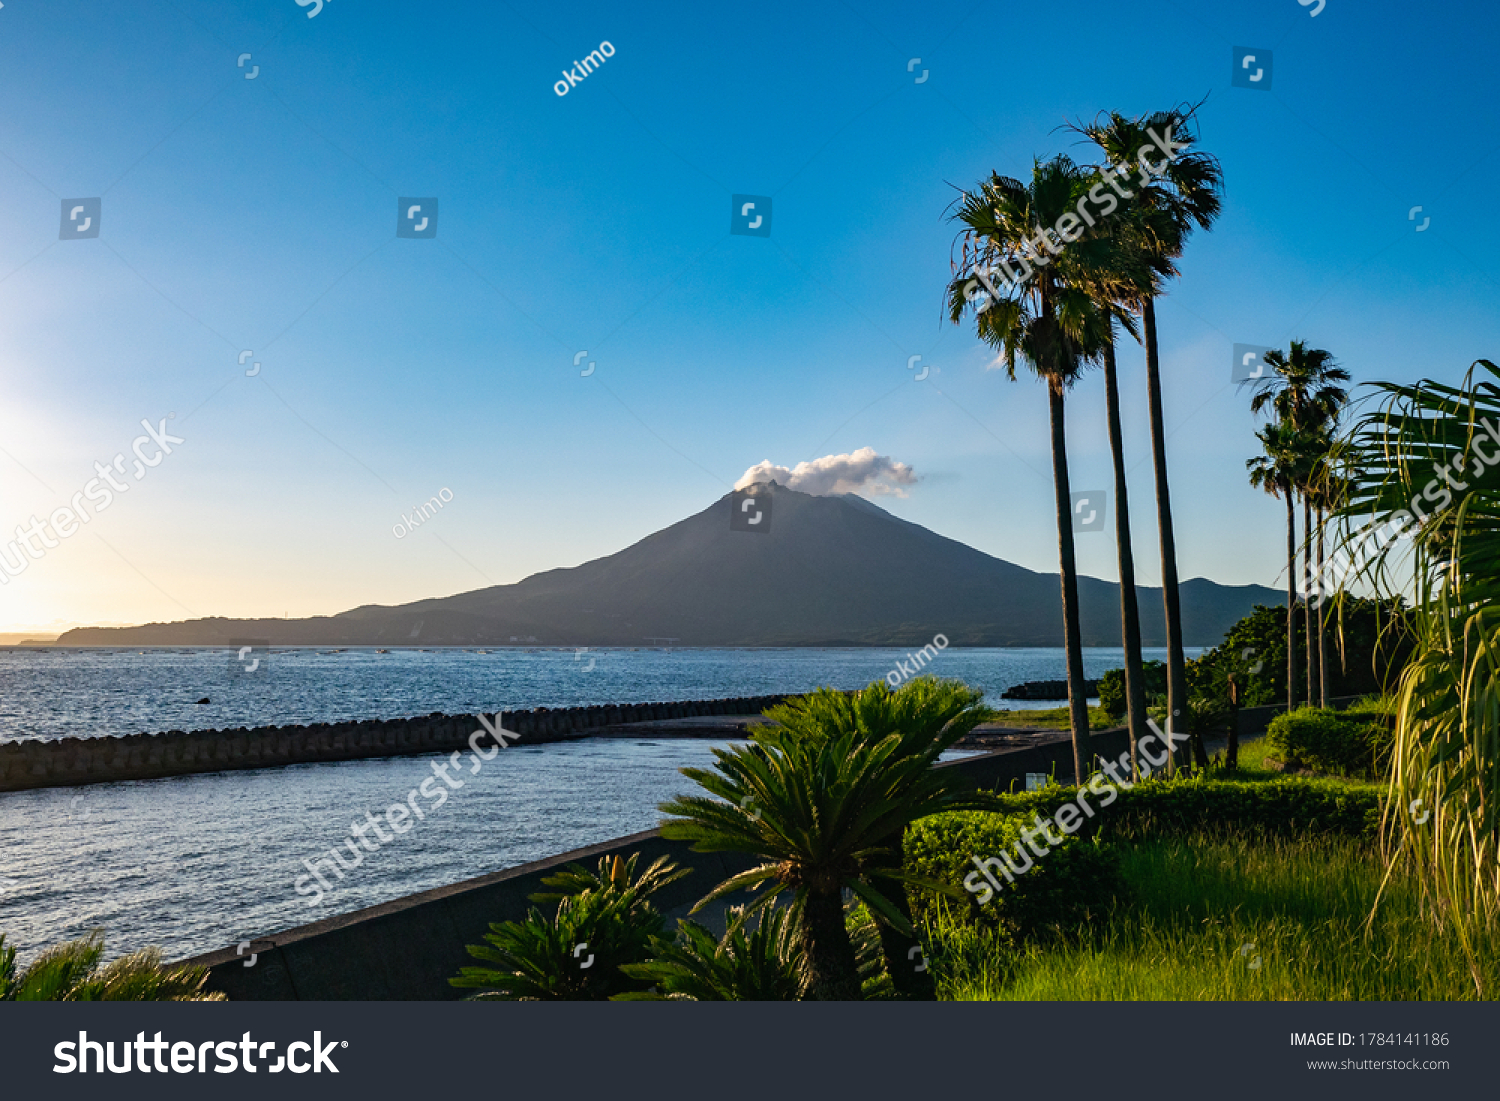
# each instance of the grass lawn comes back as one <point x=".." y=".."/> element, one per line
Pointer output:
<point x="1052" y="718"/>
<point x="1208" y="918"/>
<point x="1253" y="756"/>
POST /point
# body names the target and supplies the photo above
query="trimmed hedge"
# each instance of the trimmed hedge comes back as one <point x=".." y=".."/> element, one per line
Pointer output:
<point x="1285" y="808"/>
<point x="1059" y="890"/>
<point x="1356" y="742"/>
<point x="1082" y="875"/>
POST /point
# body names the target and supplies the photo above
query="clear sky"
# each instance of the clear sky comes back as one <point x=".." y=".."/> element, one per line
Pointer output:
<point x="260" y="215"/>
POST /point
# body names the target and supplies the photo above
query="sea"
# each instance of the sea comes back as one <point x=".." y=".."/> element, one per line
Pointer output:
<point x="196" y="863"/>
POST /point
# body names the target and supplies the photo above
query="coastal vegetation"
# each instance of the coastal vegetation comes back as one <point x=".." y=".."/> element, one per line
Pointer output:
<point x="74" y="972"/>
<point x="1247" y="882"/>
<point x="1425" y="464"/>
<point x="1048" y="718"/>
<point x="603" y="921"/>
<point x="1080" y="255"/>
<point x="1245" y="885"/>
<point x="823" y="799"/>
<point x="1227" y="918"/>
<point x="1305" y="388"/>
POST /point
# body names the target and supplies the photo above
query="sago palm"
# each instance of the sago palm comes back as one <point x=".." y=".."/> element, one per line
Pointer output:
<point x="740" y="966"/>
<point x="603" y="922"/>
<point x="820" y="813"/>
<point x="928" y="715"/>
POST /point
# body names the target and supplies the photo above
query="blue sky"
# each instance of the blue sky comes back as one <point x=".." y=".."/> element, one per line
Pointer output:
<point x="259" y="214"/>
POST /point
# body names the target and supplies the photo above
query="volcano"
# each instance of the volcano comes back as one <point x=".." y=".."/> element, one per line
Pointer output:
<point x="767" y="566"/>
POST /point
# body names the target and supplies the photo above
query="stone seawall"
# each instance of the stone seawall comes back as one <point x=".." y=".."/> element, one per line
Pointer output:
<point x="68" y="761"/>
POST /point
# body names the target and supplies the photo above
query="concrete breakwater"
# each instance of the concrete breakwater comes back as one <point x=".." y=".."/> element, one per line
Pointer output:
<point x="68" y="761"/>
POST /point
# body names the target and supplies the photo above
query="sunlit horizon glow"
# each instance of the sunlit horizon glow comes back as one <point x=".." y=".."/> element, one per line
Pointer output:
<point x="585" y="354"/>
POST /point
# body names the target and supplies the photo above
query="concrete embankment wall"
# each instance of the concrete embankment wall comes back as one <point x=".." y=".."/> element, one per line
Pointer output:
<point x="407" y="950"/>
<point x="36" y="763"/>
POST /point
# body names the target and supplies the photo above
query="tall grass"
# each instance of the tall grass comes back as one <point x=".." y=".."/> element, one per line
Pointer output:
<point x="1217" y="919"/>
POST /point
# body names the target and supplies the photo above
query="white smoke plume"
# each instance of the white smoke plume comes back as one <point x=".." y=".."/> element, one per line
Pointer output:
<point x="863" y="471"/>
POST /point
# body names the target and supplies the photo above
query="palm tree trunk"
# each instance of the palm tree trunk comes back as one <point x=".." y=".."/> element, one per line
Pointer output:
<point x="1307" y="604"/>
<point x="1078" y="704"/>
<point x="896" y="947"/>
<point x="828" y="956"/>
<point x="1343" y="644"/>
<point x="1176" y="663"/>
<point x="1130" y="614"/>
<point x="1291" y="596"/>
<point x="1322" y="621"/>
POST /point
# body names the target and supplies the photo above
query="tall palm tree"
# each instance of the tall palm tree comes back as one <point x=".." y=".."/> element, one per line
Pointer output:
<point x="928" y="715"/>
<point x="1188" y="193"/>
<point x="1309" y="632"/>
<point x="1328" y="489"/>
<point x="1142" y="268"/>
<point x="1045" y="312"/>
<point x="1278" y="470"/>
<point x="1306" y="388"/>
<point x="820" y="813"/>
<point x="1130" y="612"/>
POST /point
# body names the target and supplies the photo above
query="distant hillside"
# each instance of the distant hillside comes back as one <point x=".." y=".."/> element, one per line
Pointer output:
<point x="831" y="571"/>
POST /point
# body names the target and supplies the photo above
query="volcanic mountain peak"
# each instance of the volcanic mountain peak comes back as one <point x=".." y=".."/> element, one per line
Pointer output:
<point x="767" y="566"/>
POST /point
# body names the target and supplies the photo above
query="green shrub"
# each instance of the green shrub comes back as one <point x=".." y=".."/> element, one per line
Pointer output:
<point x="1058" y="892"/>
<point x="1157" y="808"/>
<point x="1112" y="693"/>
<point x="1080" y="877"/>
<point x="1370" y="636"/>
<point x="1112" y="687"/>
<point x="1372" y="707"/>
<point x="1349" y="743"/>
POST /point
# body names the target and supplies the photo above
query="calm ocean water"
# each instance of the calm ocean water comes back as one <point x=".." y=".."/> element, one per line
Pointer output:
<point x="81" y="693"/>
<point x="201" y="862"/>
